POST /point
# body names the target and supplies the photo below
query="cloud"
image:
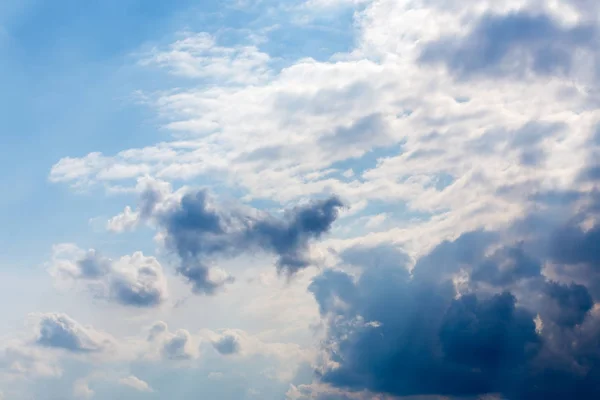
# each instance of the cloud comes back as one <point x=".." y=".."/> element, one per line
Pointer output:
<point x="136" y="280"/>
<point x="567" y="305"/>
<point x="175" y="346"/>
<point x="178" y="346"/>
<point x="135" y="383"/>
<point x="516" y="43"/>
<point x="81" y="390"/>
<point x="199" y="56"/>
<point x="227" y="344"/>
<point x="505" y="266"/>
<point x="486" y="313"/>
<point x="324" y="392"/>
<point x="59" y="331"/>
<point x="277" y="360"/>
<point x="20" y="360"/>
<point x="199" y="229"/>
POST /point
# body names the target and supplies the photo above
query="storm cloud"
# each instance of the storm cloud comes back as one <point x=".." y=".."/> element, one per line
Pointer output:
<point x="486" y="313"/>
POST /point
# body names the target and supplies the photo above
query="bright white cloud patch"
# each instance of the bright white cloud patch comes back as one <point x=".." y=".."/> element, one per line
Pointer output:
<point x="135" y="383"/>
<point x="199" y="56"/>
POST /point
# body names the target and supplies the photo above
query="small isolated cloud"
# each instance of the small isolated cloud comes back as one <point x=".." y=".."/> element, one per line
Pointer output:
<point x="215" y="376"/>
<point x="59" y="331"/>
<point x="135" y="383"/>
<point x="136" y="280"/>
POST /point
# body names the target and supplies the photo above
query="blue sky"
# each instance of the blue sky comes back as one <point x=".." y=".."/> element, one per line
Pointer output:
<point x="312" y="199"/>
<point x="73" y="79"/>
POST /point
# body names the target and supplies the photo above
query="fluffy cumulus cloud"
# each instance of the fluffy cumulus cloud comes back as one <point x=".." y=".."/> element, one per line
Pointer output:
<point x="136" y="280"/>
<point x="179" y="345"/>
<point x="59" y="331"/>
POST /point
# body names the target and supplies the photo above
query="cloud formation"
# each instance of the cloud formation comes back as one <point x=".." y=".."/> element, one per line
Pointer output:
<point x="227" y="344"/>
<point x="199" y="230"/>
<point x="515" y="44"/>
<point x="135" y="281"/>
<point x="59" y="331"/>
<point x="508" y="309"/>
<point x="136" y="383"/>
<point x="508" y="313"/>
<point x="176" y="346"/>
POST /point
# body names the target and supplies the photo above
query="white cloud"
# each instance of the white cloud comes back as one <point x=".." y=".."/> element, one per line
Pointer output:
<point x="135" y="383"/>
<point x="215" y="376"/>
<point x="200" y="56"/>
<point x="81" y="389"/>
<point x="236" y="343"/>
<point x="135" y="280"/>
<point x="19" y="360"/>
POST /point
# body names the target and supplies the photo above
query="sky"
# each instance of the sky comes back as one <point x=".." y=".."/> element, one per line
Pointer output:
<point x="300" y="200"/>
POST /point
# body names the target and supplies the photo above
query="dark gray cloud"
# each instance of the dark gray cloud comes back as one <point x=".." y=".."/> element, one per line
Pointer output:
<point x="62" y="332"/>
<point x="506" y="266"/>
<point x="448" y="257"/>
<point x="576" y="254"/>
<point x="522" y="326"/>
<point x="566" y="305"/>
<point x="198" y="230"/>
<point x="139" y="292"/>
<point x="227" y="344"/>
<point x="513" y="44"/>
